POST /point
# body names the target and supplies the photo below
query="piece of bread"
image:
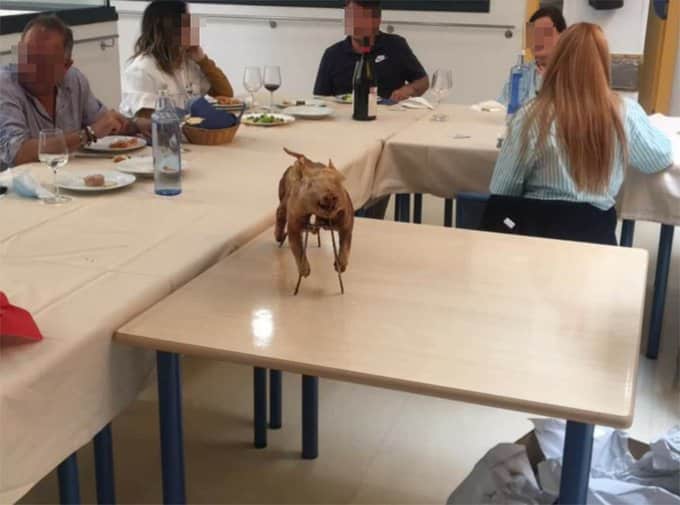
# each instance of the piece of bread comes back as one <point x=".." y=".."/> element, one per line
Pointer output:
<point x="94" y="180"/>
<point x="227" y="100"/>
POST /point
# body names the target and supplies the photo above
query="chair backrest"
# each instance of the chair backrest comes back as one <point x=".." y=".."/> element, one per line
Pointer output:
<point x="470" y="209"/>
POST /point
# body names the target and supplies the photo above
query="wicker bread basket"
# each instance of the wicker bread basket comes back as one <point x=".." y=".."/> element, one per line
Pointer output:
<point x="204" y="137"/>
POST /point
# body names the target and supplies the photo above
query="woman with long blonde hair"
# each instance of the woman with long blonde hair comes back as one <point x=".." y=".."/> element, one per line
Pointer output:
<point x="573" y="141"/>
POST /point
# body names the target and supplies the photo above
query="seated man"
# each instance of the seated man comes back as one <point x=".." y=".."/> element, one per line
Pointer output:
<point x="400" y="74"/>
<point x="543" y="33"/>
<point x="43" y="91"/>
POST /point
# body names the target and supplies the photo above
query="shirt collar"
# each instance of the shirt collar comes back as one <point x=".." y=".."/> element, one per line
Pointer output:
<point x="379" y="43"/>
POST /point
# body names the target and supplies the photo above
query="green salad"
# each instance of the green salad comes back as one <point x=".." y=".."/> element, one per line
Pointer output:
<point x="266" y="119"/>
<point x="346" y="98"/>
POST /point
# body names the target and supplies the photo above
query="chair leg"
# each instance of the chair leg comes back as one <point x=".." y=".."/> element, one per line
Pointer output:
<point x="69" y="485"/>
<point x="448" y="213"/>
<point x="103" y="460"/>
<point x="627" y="232"/>
<point x="260" y="407"/>
<point x="578" y="451"/>
<point x="310" y="417"/>
<point x="663" y="265"/>
<point x="275" y="391"/>
<point x="418" y="208"/>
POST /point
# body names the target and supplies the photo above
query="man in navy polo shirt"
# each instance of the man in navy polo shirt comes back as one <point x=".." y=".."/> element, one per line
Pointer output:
<point x="400" y="74"/>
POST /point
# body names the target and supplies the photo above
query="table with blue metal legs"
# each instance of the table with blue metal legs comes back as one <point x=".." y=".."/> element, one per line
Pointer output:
<point x="577" y="446"/>
<point x="663" y="266"/>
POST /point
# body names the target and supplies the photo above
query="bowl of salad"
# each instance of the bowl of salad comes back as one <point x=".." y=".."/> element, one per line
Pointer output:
<point x="267" y="119"/>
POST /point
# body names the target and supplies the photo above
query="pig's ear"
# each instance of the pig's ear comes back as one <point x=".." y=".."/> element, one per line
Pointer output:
<point x="294" y="154"/>
<point x="330" y="164"/>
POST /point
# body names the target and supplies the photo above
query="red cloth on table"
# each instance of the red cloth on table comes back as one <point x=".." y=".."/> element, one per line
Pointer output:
<point x="16" y="324"/>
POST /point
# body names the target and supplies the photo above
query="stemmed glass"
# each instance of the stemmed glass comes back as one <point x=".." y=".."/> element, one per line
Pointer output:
<point x="252" y="81"/>
<point x="442" y="82"/>
<point x="53" y="151"/>
<point x="272" y="81"/>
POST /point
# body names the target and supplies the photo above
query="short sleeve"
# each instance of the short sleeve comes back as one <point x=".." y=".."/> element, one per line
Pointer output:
<point x="324" y="82"/>
<point x="413" y="70"/>
<point x="92" y="108"/>
<point x="649" y="150"/>
<point x="139" y="91"/>
<point x="13" y="130"/>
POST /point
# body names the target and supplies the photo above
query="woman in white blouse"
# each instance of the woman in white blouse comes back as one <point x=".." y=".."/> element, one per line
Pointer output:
<point x="168" y="53"/>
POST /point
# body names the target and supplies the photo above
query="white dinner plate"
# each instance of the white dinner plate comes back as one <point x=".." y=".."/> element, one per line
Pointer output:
<point x="74" y="180"/>
<point x="309" y="111"/>
<point x="282" y="119"/>
<point x="140" y="165"/>
<point x="104" y="145"/>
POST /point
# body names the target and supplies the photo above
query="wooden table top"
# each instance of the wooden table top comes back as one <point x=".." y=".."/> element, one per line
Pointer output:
<point x="542" y="326"/>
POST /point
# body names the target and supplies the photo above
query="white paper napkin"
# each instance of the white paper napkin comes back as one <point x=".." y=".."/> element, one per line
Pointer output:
<point x="489" y="106"/>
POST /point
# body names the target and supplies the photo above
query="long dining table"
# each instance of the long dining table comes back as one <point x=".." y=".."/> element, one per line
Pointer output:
<point x="85" y="268"/>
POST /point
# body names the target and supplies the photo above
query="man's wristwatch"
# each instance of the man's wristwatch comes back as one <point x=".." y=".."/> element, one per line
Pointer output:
<point x="91" y="136"/>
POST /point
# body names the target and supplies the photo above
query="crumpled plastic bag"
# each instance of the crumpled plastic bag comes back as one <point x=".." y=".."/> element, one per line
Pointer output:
<point x="504" y="474"/>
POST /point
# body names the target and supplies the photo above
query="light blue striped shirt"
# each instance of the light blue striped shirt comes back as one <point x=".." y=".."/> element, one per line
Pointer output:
<point x="529" y="87"/>
<point x="546" y="175"/>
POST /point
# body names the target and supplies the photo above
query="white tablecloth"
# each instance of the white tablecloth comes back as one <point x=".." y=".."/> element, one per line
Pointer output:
<point x="428" y="158"/>
<point x="86" y="268"/>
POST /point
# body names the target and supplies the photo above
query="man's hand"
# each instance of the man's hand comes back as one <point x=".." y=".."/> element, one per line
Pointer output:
<point x="196" y="53"/>
<point x="108" y="123"/>
<point x="403" y="93"/>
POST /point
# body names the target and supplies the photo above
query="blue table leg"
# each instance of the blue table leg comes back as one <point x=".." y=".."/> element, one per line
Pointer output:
<point x="578" y="451"/>
<point x="260" y="407"/>
<point x="69" y="487"/>
<point x="275" y="391"/>
<point x="170" y="408"/>
<point x="310" y="417"/>
<point x="663" y="265"/>
<point x="418" y="208"/>
<point x="103" y="463"/>
<point x="627" y="232"/>
<point x="448" y="213"/>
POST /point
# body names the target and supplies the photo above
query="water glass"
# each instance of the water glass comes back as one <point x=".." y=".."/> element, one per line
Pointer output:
<point x="53" y="151"/>
<point x="252" y="81"/>
<point x="442" y="83"/>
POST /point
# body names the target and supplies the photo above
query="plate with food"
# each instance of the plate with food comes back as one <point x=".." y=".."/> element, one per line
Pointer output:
<point x="229" y="104"/>
<point x="347" y="98"/>
<point x="116" y="144"/>
<point x="93" y="180"/>
<point x="313" y="102"/>
<point x="141" y="166"/>
<point x="267" y="119"/>
<point x="309" y="111"/>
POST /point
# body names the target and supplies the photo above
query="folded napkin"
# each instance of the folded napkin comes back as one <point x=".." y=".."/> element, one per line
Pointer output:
<point x="416" y="102"/>
<point x="489" y="106"/>
<point x="16" y="324"/>
<point x="213" y="119"/>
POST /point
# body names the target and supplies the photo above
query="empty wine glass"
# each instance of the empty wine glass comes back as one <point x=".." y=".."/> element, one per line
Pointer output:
<point x="272" y="81"/>
<point x="53" y="151"/>
<point x="442" y="82"/>
<point x="252" y="81"/>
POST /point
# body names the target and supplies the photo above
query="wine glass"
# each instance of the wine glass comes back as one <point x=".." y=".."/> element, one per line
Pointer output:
<point x="442" y="82"/>
<point x="272" y="81"/>
<point x="53" y="151"/>
<point x="252" y="81"/>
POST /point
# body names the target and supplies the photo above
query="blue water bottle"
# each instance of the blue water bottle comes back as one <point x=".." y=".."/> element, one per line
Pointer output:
<point x="167" y="143"/>
<point x="516" y="87"/>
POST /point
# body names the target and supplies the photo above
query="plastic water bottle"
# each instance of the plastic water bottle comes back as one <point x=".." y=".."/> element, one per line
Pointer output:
<point x="167" y="143"/>
<point x="517" y="88"/>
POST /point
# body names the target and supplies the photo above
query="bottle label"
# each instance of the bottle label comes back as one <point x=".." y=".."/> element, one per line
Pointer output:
<point x="373" y="102"/>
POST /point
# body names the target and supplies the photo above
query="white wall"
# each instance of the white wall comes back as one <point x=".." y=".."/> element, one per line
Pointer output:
<point x="480" y="57"/>
<point x="625" y="28"/>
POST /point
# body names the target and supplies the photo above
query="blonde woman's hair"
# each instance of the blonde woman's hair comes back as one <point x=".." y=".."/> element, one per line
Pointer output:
<point x="576" y="97"/>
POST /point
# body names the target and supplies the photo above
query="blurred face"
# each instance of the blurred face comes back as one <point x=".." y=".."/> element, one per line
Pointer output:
<point x="542" y="38"/>
<point x="42" y="61"/>
<point x="190" y="31"/>
<point x="361" y="22"/>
